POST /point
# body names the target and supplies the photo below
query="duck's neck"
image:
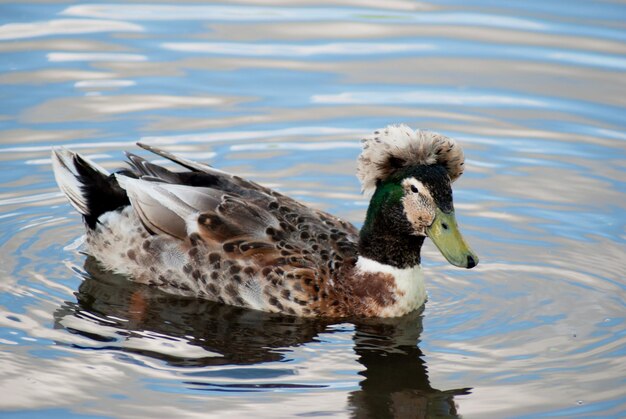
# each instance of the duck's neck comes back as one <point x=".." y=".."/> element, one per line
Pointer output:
<point x="382" y="243"/>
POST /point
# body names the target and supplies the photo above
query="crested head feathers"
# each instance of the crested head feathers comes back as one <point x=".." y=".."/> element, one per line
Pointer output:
<point x="396" y="147"/>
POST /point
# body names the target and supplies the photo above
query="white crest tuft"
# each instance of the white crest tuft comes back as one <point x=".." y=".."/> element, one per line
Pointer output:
<point x="391" y="149"/>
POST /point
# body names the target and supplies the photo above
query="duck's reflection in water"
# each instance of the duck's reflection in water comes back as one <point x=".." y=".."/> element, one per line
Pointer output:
<point x="395" y="380"/>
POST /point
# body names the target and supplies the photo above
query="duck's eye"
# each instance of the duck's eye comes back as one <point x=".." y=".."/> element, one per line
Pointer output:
<point x="414" y="189"/>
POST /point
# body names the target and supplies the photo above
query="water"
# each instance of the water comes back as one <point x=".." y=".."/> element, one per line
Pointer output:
<point x="533" y="90"/>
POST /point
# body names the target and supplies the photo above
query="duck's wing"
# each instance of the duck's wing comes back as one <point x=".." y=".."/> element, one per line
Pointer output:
<point x="248" y="224"/>
<point x="218" y="182"/>
<point x="242" y="220"/>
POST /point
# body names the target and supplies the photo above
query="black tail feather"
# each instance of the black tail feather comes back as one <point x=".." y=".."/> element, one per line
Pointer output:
<point x="89" y="188"/>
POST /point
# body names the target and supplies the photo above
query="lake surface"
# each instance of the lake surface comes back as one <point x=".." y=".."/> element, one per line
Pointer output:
<point x="535" y="91"/>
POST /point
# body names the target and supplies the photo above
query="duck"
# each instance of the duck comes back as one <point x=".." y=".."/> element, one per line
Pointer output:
<point x="201" y="232"/>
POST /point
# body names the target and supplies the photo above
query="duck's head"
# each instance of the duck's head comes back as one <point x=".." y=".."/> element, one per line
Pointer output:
<point x="411" y="175"/>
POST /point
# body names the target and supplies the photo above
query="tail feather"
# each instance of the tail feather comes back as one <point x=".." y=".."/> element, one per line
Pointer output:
<point x="89" y="188"/>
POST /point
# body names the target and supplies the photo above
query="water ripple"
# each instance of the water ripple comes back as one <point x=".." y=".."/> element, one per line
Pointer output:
<point x="12" y="31"/>
<point x="240" y="13"/>
<point x="427" y="47"/>
<point x="467" y="98"/>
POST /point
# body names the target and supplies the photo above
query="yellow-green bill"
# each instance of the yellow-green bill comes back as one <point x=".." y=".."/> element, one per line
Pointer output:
<point x="444" y="232"/>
